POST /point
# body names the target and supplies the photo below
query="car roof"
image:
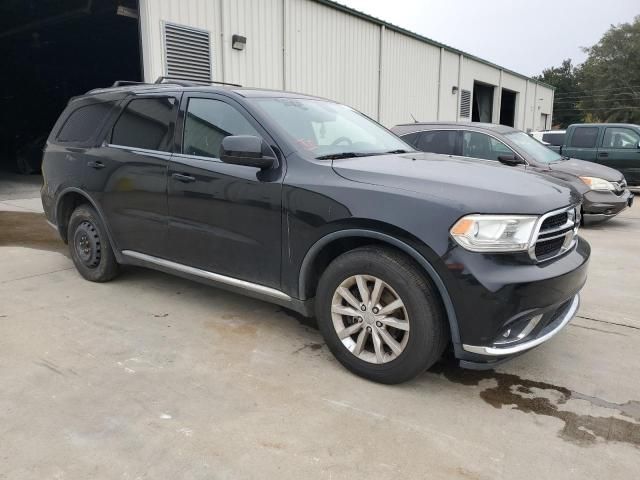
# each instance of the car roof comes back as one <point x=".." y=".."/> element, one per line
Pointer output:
<point x="604" y="125"/>
<point x="167" y="87"/>
<point x="405" y="128"/>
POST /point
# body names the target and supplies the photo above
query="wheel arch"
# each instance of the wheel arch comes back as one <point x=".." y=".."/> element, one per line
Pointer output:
<point x="68" y="200"/>
<point x="360" y="237"/>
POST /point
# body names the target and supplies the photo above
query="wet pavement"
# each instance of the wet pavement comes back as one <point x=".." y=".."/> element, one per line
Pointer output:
<point x="152" y="376"/>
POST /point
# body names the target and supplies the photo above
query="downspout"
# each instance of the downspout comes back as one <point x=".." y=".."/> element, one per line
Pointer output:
<point x="535" y="107"/>
<point x="223" y="67"/>
<point x="439" y="84"/>
<point x="526" y="98"/>
<point x="284" y="44"/>
<point x="380" y="58"/>
<point x="460" y="59"/>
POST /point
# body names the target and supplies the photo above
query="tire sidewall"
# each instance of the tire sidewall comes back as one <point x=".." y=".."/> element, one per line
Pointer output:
<point x="107" y="267"/>
<point x="420" y="352"/>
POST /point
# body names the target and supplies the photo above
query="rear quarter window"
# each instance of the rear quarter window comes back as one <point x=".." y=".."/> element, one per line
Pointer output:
<point x="411" y="139"/>
<point x="83" y="122"/>
<point x="555" y="139"/>
<point x="146" y="123"/>
<point x="584" y="137"/>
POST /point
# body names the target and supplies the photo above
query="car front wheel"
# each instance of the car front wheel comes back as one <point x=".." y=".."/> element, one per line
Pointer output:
<point x="380" y="316"/>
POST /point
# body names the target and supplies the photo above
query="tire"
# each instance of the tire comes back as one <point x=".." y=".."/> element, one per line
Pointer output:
<point x="89" y="246"/>
<point x="421" y="316"/>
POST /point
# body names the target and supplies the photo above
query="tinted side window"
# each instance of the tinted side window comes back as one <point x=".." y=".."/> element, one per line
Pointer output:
<point x="83" y="122"/>
<point x="555" y="139"/>
<point x="412" y="139"/>
<point x="207" y="122"/>
<point x="616" y="137"/>
<point x="479" y="145"/>
<point x="438" y="142"/>
<point x="146" y="123"/>
<point x="584" y="137"/>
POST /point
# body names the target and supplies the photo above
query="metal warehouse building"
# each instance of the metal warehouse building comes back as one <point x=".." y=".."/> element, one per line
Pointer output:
<point x="325" y="49"/>
<point x="54" y="50"/>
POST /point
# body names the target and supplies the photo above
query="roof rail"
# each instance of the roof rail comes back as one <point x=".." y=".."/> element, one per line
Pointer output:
<point x="121" y="83"/>
<point x="188" y="83"/>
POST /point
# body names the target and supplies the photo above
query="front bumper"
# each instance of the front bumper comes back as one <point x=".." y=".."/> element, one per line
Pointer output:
<point x="600" y="206"/>
<point x="506" y="306"/>
<point x="558" y="319"/>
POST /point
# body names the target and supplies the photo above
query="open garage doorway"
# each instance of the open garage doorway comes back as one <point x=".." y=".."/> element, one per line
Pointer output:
<point x="508" y="108"/>
<point x="52" y="50"/>
<point x="482" y="103"/>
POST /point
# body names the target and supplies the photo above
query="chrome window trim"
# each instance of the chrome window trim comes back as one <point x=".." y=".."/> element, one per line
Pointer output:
<point x="498" y="351"/>
<point x="198" y="157"/>
<point x="216" y="277"/>
<point x="137" y="149"/>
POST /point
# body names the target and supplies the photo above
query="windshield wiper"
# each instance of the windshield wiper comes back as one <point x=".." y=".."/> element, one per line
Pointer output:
<point x="400" y="151"/>
<point x="338" y="156"/>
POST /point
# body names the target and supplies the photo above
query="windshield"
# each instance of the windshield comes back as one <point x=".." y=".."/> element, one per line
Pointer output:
<point x="533" y="147"/>
<point x="322" y="129"/>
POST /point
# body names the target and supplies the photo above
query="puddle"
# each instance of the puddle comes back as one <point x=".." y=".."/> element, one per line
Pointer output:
<point x="30" y="230"/>
<point x="525" y="395"/>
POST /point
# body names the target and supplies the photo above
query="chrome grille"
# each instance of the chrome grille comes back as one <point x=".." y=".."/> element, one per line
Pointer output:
<point x="555" y="234"/>
<point x="619" y="187"/>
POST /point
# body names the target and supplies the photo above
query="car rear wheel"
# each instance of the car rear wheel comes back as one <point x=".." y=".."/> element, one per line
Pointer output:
<point x="89" y="246"/>
<point x="380" y="316"/>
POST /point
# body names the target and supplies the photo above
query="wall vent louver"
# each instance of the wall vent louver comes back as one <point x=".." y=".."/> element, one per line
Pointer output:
<point x="187" y="53"/>
<point x="465" y="103"/>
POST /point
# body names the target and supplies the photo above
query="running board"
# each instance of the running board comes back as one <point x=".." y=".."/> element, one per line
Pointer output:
<point x="215" y="277"/>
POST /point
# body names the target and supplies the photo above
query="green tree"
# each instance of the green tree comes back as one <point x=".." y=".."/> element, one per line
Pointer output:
<point x="565" y="79"/>
<point x="610" y="77"/>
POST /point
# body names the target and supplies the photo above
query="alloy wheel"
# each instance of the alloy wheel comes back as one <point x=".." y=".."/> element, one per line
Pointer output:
<point x="370" y="319"/>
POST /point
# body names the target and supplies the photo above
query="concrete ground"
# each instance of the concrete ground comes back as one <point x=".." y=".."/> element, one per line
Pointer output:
<point x="155" y="377"/>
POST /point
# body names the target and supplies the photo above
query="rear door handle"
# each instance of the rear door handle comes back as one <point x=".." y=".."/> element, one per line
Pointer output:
<point x="183" y="178"/>
<point x="96" y="165"/>
<point x="603" y="154"/>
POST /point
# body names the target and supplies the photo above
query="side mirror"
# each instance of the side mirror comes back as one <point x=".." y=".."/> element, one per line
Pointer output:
<point x="246" y="150"/>
<point x="511" y="160"/>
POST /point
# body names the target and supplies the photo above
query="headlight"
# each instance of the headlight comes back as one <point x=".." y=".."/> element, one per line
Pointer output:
<point x="595" y="183"/>
<point x="494" y="233"/>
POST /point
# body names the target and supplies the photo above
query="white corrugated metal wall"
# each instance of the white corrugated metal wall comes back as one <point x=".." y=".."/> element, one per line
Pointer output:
<point x="409" y="80"/>
<point x="332" y="55"/>
<point x="311" y="47"/>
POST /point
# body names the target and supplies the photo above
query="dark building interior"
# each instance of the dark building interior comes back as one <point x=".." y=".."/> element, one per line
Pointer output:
<point x="508" y="108"/>
<point x="51" y="51"/>
<point x="482" y="110"/>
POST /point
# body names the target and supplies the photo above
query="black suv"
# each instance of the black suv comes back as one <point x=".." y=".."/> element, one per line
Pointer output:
<point x="309" y="204"/>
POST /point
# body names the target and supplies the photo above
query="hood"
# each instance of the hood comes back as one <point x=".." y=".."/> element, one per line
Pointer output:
<point x="581" y="168"/>
<point x="480" y="187"/>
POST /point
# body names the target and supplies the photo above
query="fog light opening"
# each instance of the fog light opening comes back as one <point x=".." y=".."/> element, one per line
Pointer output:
<point x="519" y="330"/>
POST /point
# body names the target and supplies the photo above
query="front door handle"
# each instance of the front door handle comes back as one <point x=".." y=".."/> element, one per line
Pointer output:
<point x="96" y="165"/>
<point x="183" y="178"/>
<point x="603" y="154"/>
